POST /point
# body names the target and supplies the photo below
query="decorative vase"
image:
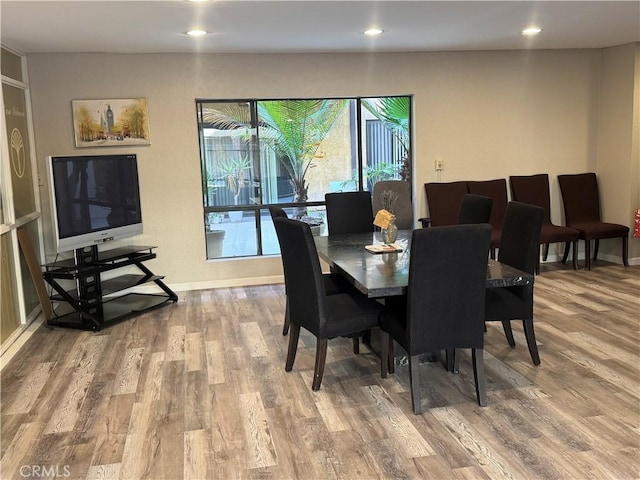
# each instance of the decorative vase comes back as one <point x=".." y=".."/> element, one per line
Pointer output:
<point x="389" y="235"/>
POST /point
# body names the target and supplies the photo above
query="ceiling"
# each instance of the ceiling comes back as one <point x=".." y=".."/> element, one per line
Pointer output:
<point x="239" y="26"/>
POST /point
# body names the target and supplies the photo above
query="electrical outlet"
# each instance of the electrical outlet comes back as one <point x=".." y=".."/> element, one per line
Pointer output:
<point x="439" y="165"/>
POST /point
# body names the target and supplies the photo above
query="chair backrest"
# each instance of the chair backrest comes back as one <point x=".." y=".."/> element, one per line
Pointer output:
<point x="475" y="209"/>
<point x="520" y="240"/>
<point x="533" y="189"/>
<point x="349" y="212"/>
<point x="446" y="290"/>
<point x="580" y="198"/>
<point x="277" y="212"/>
<point x="497" y="190"/>
<point x="302" y="274"/>
<point x="444" y="199"/>
<point x="402" y="207"/>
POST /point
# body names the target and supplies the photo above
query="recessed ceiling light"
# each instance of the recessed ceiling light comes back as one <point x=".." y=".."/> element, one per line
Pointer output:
<point x="531" y="31"/>
<point x="373" y="32"/>
<point x="196" y="33"/>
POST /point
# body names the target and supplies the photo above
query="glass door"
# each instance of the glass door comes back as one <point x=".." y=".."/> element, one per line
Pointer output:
<point x="19" y="200"/>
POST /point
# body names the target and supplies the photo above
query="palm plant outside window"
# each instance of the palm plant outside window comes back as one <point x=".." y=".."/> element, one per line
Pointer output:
<point x="256" y="153"/>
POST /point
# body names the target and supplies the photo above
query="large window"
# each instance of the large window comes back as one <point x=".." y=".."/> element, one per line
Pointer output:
<point x="256" y="153"/>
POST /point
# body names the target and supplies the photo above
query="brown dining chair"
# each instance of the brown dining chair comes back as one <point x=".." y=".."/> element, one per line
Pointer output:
<point x="402" y="207"/>
<point x="347" y="314"/>
<point x="444" y="200"/>
<point x="534" y="189"/>
<point x="497" y="191"/>
<point x="581" y="201"/>
<point x="444" y="305"/>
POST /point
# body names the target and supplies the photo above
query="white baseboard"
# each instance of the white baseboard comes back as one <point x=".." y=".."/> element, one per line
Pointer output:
<point x="601" y="256"/>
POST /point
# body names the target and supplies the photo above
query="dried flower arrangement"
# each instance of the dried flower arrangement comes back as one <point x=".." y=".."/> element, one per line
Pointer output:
<point x="389" y="198"/>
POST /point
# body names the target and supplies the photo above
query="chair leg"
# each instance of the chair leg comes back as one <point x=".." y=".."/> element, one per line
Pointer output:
<point x="565" y="255"/>
<point x="545" y="251"/>
<point x="587" y="254"/>
<point x="506" y="325"/>
<point x="414" y="381"/>
<point x="356" y="345"/>
<point x="452" y="360"/>
<point x="448" y="362"/>
<point x="384" y="353"/>
<point x="531" y="340"/>
<point x="595" y="248"/>
<point x="492" y="253"/>
<point x="287" y="318"/>
<point x="321" y="357"/>
<point x="456" y="361"/>
<point x="575" y="254"/>
<point x="293" y="347"/>
<point x="625" y="251"/>
<point x="478" y="375"/>
<point x="391" y="357"/>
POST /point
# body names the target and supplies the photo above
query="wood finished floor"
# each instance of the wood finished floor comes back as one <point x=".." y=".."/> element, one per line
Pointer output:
<point x="198" y="390"/>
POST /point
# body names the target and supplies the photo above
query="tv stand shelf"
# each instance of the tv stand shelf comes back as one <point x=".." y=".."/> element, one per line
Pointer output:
<point x="94" y="303"/>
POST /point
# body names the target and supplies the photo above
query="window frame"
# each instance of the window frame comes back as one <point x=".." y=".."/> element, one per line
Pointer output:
<point x="357" y="129"/>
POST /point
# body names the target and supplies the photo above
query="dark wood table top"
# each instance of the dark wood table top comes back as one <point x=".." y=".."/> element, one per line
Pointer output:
<point x="387" y="274"/>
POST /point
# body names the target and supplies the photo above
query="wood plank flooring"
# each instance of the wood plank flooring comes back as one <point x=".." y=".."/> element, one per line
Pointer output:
<point x="197" y="390"/>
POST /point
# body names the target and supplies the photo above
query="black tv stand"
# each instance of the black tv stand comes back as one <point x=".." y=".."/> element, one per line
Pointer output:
<point x="93" y="303"/>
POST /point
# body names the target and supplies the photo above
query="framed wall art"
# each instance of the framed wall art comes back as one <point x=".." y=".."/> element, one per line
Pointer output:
<point x="110" y="122"/>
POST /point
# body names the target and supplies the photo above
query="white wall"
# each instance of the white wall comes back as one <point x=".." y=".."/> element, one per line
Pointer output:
<point x="487" y="114"/>
<point x="618" y="138"/>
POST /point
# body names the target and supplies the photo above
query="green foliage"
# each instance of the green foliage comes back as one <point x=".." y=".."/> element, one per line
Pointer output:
<point x="393" y="112"/>
<point x="233" y="170"/>
<point x="383" y="171"/>
<point x="228" y="116"/>
<point x="295" y="129"/>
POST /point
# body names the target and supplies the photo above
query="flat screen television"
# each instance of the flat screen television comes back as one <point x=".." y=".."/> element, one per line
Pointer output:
<point x="95" y="199"/>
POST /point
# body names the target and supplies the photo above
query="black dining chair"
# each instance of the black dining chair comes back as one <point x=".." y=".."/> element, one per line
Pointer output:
<point x="534" y="189"/>
<point x="581" y="201"/>
<point x="519" y="248"/>
<point x="333" y="283"/>
<point x="325" y="316"/>
<point x="349" y="212"/>
<point x="475" y="209"/>
<point x="444" y="306"/>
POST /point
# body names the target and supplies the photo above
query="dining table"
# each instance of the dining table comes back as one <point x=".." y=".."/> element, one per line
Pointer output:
<point x="379" y="275"/>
